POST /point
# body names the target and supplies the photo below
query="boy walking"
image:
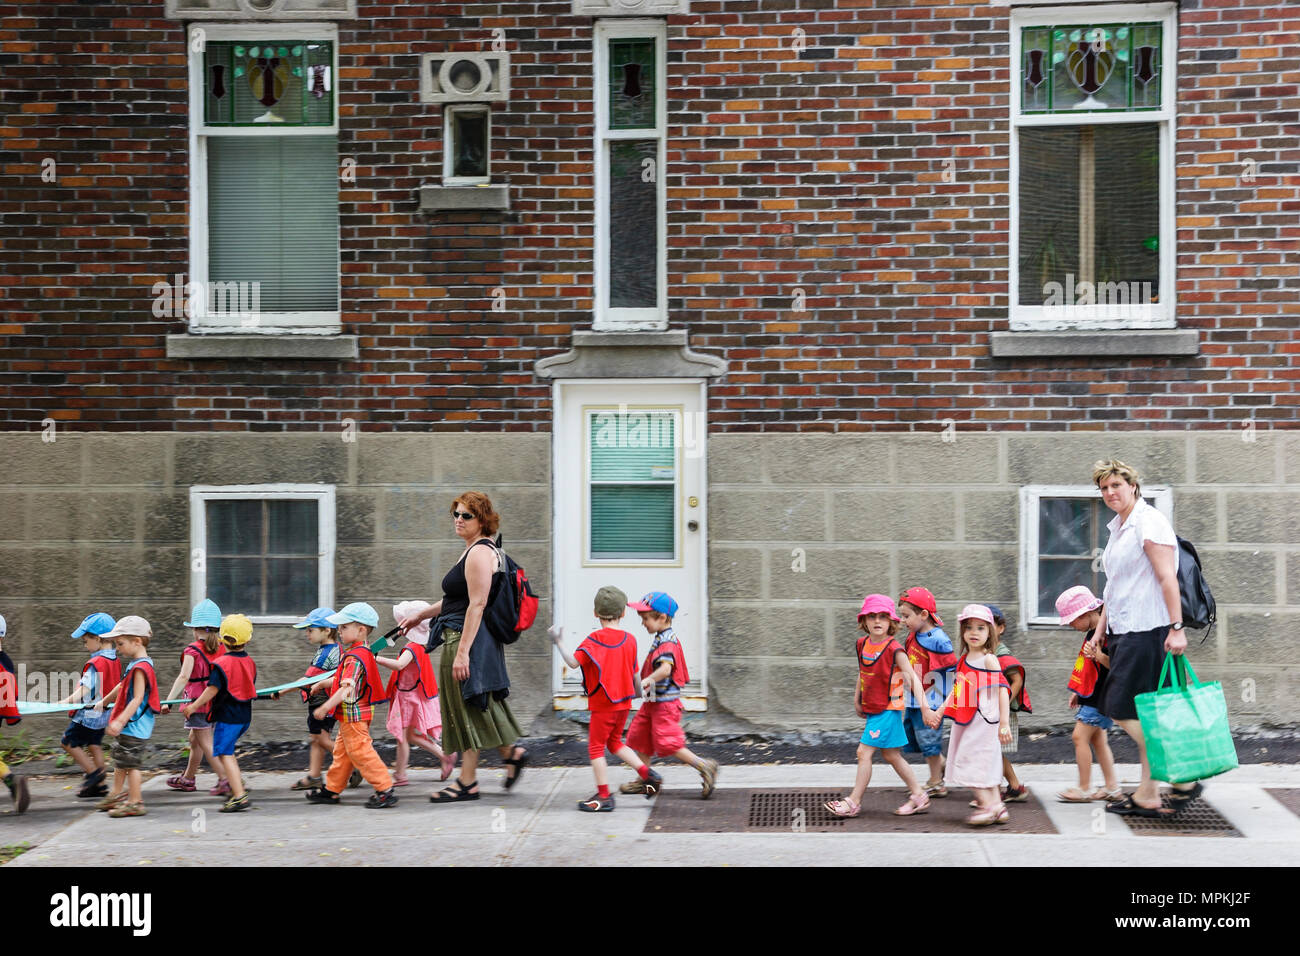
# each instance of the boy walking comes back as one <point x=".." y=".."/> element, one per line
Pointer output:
<point x="657" y="727"/>
<point x="84" y="736"/>
<point x="608" y="662"/>
<point x="231" y="690"/>
<point x="354" y="691"/>
<point x="135" y="706"/>
<point x="16" y="783"/>
<point x="929" y="650"/>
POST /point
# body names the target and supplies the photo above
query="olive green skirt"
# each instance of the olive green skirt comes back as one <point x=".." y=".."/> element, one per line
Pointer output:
<point x="466" y="727"/>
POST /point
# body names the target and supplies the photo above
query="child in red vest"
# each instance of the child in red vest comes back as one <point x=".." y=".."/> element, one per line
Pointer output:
<point x="83" y="738"/>
<point x="325" y="636"/>
<point x="135" y="704"/>
<point x="929" y="650"/>
<point x="978" y="706"/>
<point x="16" y="783"/>
<point x="1014" y="671"/>
<point x="657" y="727"/>
<point x="414" y="716"/>
<point x="1080" y="609"/>
<point x="354" y="692"/>
<point x="231" y="689"/>
<point x="196" y="668"/>
<point x="883" y="669"/>
<point x="607" y="659"/>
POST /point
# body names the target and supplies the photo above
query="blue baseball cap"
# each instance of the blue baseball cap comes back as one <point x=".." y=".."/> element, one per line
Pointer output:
<point x="319" y="617"/>
<point x="98" y="624"/>
<point x="997" y="611"/>
<point x="655" y="601"/>
<point x="205" y="614"/>
<point x="359" y="611"/>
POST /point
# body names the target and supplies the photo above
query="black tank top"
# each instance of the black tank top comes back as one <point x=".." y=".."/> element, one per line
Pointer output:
<point x="455" y="589"/>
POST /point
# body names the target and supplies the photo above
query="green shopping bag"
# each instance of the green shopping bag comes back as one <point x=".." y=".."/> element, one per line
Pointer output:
<point x="1186" y="727"/>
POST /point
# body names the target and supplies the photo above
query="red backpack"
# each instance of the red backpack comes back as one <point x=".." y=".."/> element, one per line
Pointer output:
<point x="512" y="605"/>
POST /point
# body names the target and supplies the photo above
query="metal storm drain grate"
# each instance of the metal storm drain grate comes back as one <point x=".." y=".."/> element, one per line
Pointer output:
<point x="1289" y="797"/>
<point x="791" y="809"/>
<point x="1198" y="819"/>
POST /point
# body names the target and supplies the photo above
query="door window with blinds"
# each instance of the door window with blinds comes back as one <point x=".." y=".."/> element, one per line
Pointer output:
<point x="264" y="178"/>
<point x="264" y="551"/>
<point x="632" y="482"/>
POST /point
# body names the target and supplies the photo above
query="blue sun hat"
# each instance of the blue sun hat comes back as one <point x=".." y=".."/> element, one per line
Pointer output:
<point x="358" y="611"/>
<point x="319" y="617"/>
<point x="205" y="614"/>
<point x="98" y="624"/>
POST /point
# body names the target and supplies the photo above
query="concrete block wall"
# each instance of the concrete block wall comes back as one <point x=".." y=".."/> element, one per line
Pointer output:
<point x="101" y="522"/>
<point x="803" y="526"/>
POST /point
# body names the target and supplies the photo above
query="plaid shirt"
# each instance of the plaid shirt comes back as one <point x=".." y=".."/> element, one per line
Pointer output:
<point x="352" y="711"/>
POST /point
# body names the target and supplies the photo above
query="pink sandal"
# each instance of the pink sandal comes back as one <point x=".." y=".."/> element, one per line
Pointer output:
<point x="915" y="804"/>
<point x="987" y="817"/>
<point x="222" y="789"/>
<point x="843" y="808"/>
<point x="401" y="782"/>
<point x="182" y="783"/>
<point x="448" y="764"/>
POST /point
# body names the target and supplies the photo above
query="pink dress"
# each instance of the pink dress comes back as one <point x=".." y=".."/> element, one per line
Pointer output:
<point x="410" y="708"/>
<point x="974" y="753"/>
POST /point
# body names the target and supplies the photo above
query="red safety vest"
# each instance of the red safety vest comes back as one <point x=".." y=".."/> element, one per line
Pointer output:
<point x="1021" y="700"/>
<point x="1083" y="679"/>
<point x="669" y="648"/>
<point x="312" y="671"/>
<point x="612" y="667"/>
<point x="194" y="686"/>
<point x="150" y="691"/>
<point x="968" y="684"/>
<point x="925" y="661"/>
<point x="9" y="696"/>
<point x="373" y="692"/>
<point x="879" y="685"/>
<point x="241" y="676"/>
<point x="110" y="674"/>
<point x="425" y="682"/>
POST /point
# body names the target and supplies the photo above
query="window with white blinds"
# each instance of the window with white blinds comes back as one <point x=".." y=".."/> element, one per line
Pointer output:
<point x="632" y="485"/>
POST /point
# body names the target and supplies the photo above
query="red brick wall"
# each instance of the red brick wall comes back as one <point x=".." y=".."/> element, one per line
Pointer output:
<point x="820" y="170"/>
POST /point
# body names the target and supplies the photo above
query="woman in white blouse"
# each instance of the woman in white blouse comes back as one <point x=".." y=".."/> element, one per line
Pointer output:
<point x="1142" y="619"/>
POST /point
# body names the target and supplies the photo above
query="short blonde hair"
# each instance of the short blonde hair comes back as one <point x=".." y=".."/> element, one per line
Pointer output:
<point x="1105" y="467"/>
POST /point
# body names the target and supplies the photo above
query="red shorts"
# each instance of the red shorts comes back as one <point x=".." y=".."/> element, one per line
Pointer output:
<point x="657" y="729"/>
<point x="606" y="731"/>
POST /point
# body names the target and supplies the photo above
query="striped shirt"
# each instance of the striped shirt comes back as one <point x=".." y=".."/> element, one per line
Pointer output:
<point x="665" y="689"/>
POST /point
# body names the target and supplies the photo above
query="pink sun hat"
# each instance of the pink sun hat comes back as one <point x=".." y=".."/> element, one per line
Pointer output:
<point x="977" y="612"/>
<point x="420" y="633"/>
<point x="1075" y="601"/>
<point x="877" y="604"/>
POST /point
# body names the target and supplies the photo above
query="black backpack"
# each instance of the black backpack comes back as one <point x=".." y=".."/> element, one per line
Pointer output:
<point x="1199" y="609"/>
<point x="512" y="606"/>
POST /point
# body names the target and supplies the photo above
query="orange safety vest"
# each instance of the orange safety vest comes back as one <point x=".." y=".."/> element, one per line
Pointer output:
<point x="880" y="686"/>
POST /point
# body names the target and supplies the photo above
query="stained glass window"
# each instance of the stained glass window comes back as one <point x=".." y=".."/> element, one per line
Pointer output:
<point x="1083" y="67"/>
<point x="632" y="83"/>
<point x="280" y="82"/>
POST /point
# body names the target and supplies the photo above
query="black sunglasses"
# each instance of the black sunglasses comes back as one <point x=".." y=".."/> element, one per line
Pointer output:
<point x="462" y="514"/>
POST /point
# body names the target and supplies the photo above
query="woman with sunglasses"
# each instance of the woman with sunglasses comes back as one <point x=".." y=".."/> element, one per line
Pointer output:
<point x="472" y="670"/>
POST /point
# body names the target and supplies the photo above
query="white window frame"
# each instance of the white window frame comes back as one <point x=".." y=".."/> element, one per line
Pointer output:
<point x="323" y="495"/>
<point x="449" y="145"/>
<point x="604" y="317"/>
<point x="1030" y="496"/>
<point x="309" y="322"/>
<point x="1157" y="315"/>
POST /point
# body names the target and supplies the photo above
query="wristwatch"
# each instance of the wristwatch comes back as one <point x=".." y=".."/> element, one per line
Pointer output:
<point x="1176" y="627"/>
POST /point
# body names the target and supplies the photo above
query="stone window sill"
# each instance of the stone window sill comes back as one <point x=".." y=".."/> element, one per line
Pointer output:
<point x="338" y="347"/>
<point x="1161" y="343"/>
<point x="458" y="198"/>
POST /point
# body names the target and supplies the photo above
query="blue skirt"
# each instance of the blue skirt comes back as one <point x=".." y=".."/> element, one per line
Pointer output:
<point x="884" y="730"/>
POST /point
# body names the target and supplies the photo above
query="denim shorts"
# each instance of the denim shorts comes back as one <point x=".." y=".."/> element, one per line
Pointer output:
<point x="920" y="738"/>
<point x="1093" y="717"/>
<point x="79" y="735"/>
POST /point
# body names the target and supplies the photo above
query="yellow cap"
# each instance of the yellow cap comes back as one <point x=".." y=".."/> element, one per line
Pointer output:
<point x="238" y="628"/>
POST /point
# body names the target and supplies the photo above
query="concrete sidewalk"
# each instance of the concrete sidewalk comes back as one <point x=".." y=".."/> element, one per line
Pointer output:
<point x="537" y="825"/>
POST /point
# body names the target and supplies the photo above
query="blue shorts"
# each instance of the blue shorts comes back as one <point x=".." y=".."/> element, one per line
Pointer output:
<point x="1093" y="717"/>
<point x="921" y="739"/>
<point x="884" y="730"/>
<point x="79" y="735"/>
<point x="224" y="737"/>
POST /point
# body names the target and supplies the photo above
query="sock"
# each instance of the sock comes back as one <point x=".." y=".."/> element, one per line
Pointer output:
<point x="603" y="792"/>
<point x="643" y="771"/>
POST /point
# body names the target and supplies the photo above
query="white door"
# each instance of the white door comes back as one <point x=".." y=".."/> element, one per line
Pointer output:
<point x="629" y="473"/>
